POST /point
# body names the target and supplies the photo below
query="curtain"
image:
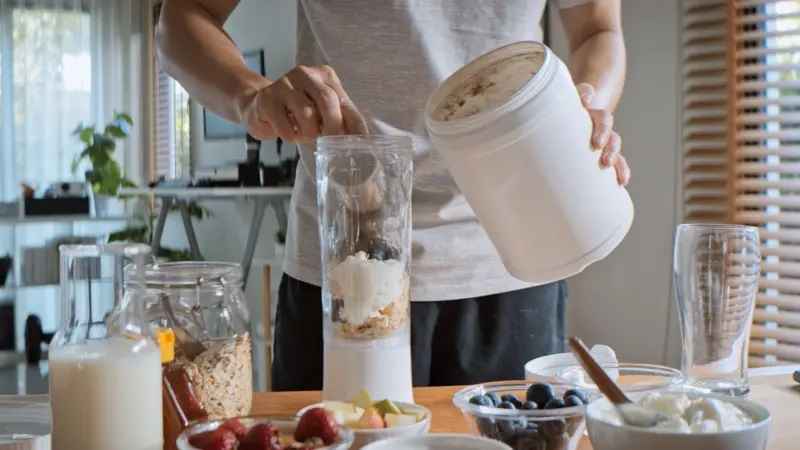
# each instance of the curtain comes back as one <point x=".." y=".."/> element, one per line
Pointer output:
<point x="63" y="62"/>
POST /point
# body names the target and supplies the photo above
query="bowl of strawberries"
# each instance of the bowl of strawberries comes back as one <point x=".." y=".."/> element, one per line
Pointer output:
<point x="316" y="429"/>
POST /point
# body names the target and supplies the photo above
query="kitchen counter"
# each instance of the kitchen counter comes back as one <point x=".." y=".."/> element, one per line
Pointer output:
<point x="773" y="388"/>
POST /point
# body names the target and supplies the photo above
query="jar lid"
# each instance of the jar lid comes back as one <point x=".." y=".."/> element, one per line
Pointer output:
<point x="192" y="275"/>
<point x="166" y="343"/>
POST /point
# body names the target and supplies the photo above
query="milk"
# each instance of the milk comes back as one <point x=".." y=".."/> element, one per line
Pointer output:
<point x="106" y="395"/>
<point x="381" y="366"/>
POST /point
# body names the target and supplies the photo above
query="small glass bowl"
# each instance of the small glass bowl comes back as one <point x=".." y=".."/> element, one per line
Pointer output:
<point x="629" y="377"/>
<point x="285" y="427"/>
<point x="540" y="429"/>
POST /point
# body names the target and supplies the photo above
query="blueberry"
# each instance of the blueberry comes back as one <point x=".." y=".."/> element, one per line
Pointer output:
<point x="513" y="399"/>
<point x="554" y="403"/>
<point x="541" y="393"/>
<point x="392" y="253"/>
<point x="487" y="427"/>
<point x="577" y="393"/>
<point x="530" y="441"/>
<point x="494" y="397"/>
<point x="572" y="400"/>
<point x="481" y="400"/>
<point x="552" y="428"/>
<point x="376" y="254"/>
<point x="509" y="430"/>
<point x="530" y="405"/>
<point x="506" y="405"/>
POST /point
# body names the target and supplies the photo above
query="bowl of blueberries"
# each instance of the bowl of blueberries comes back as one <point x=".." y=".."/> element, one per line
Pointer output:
<point x="524" y="415"/>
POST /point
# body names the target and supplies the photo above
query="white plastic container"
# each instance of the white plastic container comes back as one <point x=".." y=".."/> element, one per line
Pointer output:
<point x="524" y="162"/>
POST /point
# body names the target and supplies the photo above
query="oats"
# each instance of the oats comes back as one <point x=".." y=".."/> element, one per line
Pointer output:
<point x="223" y="376"/>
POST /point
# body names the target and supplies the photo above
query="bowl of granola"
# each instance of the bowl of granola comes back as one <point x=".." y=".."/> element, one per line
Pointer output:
<point x="315" y="430"/>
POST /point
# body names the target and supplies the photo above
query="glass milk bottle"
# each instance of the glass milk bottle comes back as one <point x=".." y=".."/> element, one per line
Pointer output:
<point x="105" y="383"/>
<point x="364" y="199"/>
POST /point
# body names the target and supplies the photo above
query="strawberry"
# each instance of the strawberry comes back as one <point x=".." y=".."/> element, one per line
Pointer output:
<point x="235" y="426"/>
<point x="219" y="439"/>
<point x="317" y="423"/>
<point x="264" y="436"/>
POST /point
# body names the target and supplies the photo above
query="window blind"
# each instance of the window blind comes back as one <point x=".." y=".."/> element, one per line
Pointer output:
<point x="171" y="153"/>
<point x="741" y="144"/>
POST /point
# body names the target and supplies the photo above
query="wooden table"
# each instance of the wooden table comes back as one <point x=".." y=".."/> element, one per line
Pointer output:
<point x="773" y="388"/>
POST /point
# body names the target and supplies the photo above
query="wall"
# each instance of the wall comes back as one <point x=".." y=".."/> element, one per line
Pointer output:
<point x="626" y="301"/>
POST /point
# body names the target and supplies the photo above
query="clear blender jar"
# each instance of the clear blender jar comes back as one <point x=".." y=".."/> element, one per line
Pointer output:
<point x="105" y="381"/>
<point x="364" y="199"/>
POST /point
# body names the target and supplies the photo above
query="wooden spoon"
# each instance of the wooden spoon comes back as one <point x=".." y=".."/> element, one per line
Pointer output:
<point x="631" y="413"/>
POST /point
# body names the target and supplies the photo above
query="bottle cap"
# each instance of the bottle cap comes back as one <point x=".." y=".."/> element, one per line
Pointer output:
<point x="166" y="343"/>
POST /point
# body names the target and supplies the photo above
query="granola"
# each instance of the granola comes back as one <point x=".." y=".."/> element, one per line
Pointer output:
<point x="223" y="376"/>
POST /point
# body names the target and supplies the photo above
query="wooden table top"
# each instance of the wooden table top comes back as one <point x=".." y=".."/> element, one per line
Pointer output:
<point x="779" y="393"/>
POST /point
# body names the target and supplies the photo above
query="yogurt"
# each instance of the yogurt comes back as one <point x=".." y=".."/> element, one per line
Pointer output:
<point x="366" y="286"/>
<point x="689" y="415"/>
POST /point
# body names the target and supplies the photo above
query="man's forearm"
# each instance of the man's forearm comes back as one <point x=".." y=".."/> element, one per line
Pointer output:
<point x="194" y="49"/>
<point x="600" y="61"/>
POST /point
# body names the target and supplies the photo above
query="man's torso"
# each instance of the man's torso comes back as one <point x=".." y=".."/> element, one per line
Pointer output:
<point x="390" y="55"/>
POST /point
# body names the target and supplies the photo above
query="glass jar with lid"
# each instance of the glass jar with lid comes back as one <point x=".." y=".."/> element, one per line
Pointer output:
<point x="203" y="303"/>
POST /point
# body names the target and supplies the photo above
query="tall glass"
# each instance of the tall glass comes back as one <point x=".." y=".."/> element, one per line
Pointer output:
<point x="364" y="199"/>
<point x="716" y="269"/>
<point x="105" y="382"/>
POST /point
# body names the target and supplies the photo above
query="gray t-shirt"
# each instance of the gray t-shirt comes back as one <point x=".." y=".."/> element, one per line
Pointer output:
<point x="390" y="55"/>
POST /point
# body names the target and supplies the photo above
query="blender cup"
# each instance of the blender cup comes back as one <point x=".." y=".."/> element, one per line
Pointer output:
<point x="364" y="199"/>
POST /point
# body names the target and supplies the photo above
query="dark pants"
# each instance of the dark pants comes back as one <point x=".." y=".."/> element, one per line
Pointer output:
<point x="454" y="342"/>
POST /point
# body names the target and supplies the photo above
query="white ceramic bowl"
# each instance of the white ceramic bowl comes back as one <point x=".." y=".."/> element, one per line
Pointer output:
<point x="610" y="436"/>
<point x="438" y="442"/>
<point x="362" y="437"/>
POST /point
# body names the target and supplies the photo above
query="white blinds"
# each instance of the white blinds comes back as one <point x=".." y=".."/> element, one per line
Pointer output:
<point x="705" y="109"/>
<point x="741" y="143"/>
<point x="171" y="153"/>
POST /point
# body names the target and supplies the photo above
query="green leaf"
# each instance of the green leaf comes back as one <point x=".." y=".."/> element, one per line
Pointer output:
<point x="115" y="131"/>
<point x="124" y="117"/>
<point x="78" y="129"/>
<point x="85" y="135"/>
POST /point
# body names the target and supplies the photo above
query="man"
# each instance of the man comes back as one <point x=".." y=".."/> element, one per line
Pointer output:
<point x="470" y="320"/>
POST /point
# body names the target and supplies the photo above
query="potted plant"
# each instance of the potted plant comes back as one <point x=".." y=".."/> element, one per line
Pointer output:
<point x="106" y="176"/>
<point x="141" y="232"/>
<point x="280" y="244"/>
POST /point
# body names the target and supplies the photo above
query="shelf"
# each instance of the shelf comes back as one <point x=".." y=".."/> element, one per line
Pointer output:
<point x="55" y="219"/>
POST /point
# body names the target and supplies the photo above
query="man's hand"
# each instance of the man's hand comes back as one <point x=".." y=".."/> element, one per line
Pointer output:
<point x="304" y="104"/>
<point x="604" y="137"/>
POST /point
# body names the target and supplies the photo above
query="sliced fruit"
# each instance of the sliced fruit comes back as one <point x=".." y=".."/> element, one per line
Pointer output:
<point x="371" y="419"/>
<point x="343" y="412"/>
<point x="399" y="420"/>
<point x="219" y="439"/>
<point x="317" y="423"/>
<point x="264" y="436"/>
<point x="362" y="399"/>
<point x="386" y="406"/>
<point x="417" y="413"/>
<point x="235" y="426"/>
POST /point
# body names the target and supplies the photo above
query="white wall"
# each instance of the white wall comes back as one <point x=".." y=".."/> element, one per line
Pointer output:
<point x="626" y="300"/>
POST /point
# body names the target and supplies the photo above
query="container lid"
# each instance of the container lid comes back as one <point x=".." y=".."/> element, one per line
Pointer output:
<point x="24" y="422"/>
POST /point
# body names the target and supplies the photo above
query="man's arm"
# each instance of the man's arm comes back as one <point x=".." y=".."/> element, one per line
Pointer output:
<point x="597" y="63"/>
<point x="194" y="49"/>
<point x="300" y="106"/>
<point x="597" y="49"/>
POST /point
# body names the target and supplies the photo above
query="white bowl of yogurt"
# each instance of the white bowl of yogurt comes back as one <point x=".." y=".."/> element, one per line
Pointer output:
<point x="696" y="422"/>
